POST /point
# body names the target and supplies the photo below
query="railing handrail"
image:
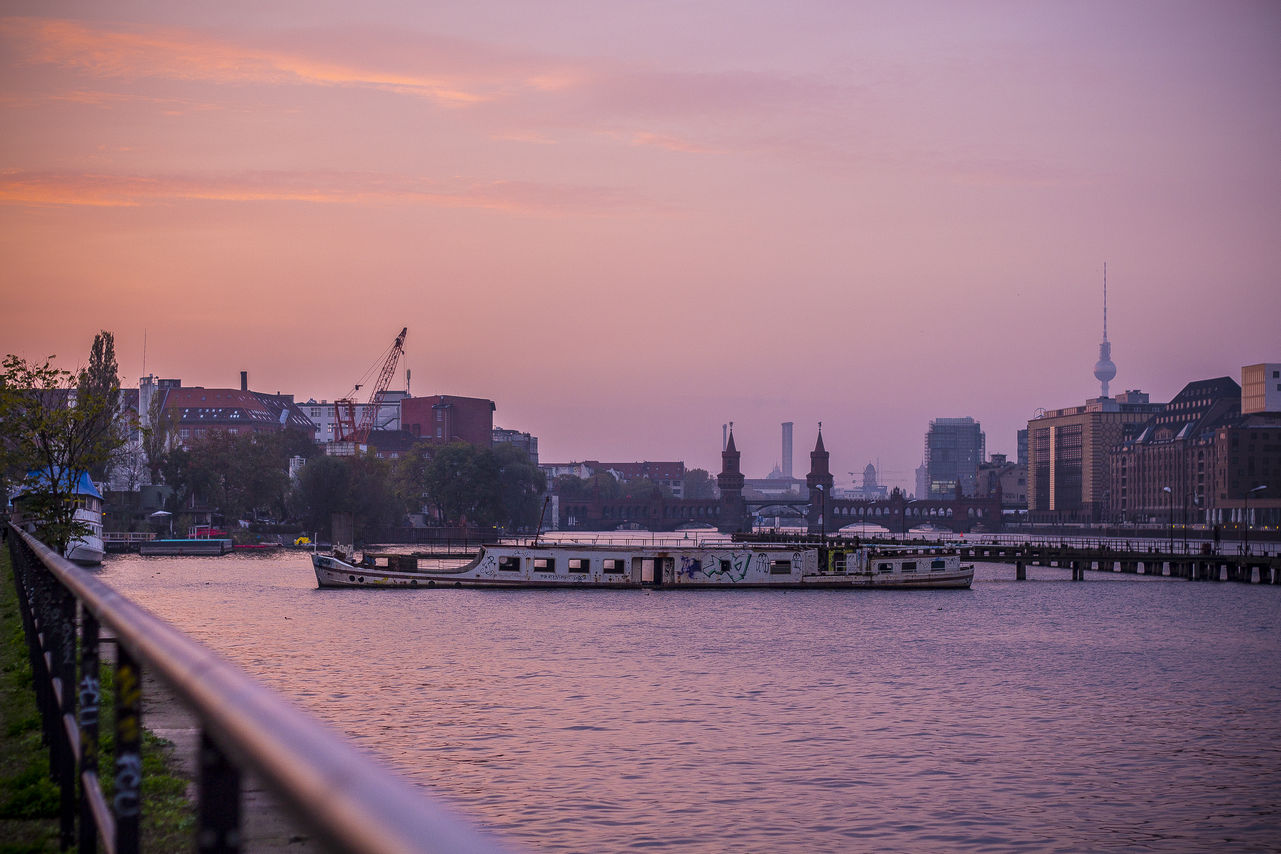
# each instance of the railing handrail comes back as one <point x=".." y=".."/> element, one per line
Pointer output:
<point x="340" y="793"/>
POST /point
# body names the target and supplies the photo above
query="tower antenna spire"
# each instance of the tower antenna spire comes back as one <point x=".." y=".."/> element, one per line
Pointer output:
<point x="1105" y="368"/>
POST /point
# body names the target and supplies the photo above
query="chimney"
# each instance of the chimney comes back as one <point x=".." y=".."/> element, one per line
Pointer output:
<point x="244" y="381"/>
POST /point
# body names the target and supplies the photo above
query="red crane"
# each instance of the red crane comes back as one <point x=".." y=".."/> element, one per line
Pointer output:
<point x="347" y="429"/>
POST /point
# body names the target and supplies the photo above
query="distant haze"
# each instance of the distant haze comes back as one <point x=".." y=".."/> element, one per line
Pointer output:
<point x="630" y="223"/>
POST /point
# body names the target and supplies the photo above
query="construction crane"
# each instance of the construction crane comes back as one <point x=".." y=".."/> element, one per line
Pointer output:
<point x="346" y="426"/>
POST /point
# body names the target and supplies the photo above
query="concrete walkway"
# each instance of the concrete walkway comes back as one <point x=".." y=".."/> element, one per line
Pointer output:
<point x="267" y="826"/>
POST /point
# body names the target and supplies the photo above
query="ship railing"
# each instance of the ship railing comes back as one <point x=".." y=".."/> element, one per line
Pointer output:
<point x="344" y="798"/>
<point x="127" y="537"/>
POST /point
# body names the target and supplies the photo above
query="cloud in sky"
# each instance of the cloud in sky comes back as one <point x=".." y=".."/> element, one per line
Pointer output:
<point x="664" y="216"/>
<point x="110" y="190"/>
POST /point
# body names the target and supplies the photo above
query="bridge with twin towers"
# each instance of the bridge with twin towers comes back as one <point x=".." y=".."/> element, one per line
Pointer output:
<point x="733" y="512"/>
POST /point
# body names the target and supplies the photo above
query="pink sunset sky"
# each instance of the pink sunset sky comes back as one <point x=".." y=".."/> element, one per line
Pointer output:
<point x="630" y="223"/>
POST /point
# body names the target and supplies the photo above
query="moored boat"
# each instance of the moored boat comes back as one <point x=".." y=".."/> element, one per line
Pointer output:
<point x="87" y="548"/>
<point x="687" y="566"/>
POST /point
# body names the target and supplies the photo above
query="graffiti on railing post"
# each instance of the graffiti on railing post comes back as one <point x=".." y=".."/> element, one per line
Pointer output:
<point x="128" y="768"/>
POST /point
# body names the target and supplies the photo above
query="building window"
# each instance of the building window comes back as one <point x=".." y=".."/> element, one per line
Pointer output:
<point x="579" y="564"/>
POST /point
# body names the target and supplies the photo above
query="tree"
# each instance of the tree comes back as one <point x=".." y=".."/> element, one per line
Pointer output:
<point x="100" y="384"/>
<point x="409" y="477"/>
<point x="358" y="485"/>
<point x="57" y="428"/>
<point x="239" y="473"/>
<point x="521" y="485"/>
<point x="158" y="435"/>
<point x="460" y="487"/>
<point x="323" y="488"/>
<point x="699" y="484"/>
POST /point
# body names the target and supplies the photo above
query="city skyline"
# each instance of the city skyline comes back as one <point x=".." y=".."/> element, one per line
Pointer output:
<point x="630" y="226"/>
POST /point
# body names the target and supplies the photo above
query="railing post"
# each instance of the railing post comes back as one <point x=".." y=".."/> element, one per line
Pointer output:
<point x="127" y="803"/>
<point x="90" y="702"/>
<point x="63" y="649"/>
<point x="218" y="812"/>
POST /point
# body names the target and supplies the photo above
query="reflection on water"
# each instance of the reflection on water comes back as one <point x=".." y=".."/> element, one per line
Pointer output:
<point x="1114" y="714"/>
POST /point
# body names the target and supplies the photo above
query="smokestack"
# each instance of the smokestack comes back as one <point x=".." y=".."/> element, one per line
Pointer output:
<point x="244" y="381"/>
<point x="787" y="449"/>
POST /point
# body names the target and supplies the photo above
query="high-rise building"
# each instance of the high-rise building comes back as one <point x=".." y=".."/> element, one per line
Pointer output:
<point x="1260" y="388"/>
<point x="1067" y="455"/>
<point x="954" y="448"/>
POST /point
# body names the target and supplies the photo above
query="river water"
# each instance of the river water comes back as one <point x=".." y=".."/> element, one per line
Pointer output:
<point x="1115" y="714"/>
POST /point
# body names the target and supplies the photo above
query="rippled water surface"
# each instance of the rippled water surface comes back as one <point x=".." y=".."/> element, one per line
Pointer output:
<point x="1046" y="715"/>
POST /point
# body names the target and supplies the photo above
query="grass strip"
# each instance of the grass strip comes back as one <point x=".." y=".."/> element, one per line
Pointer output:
<point x="28" y="797"/>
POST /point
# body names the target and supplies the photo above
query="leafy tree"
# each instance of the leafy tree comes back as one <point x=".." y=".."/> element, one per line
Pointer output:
<point x="323" y="488"/>
<point x="373" y="500"/>
<point x="521" y="484"/>
<point x="359" y="485"/>
<point x="570" y="488"/>
<point x="601" y="485"/>
<point x="239" y="473"/>
<point x="604" y="485"/>
<point x="158" y="435"/>
<point x="100" y="384"/>
<point x="641" y="489"/>
<point x="699" y="484"/>
<point x="409" y="476"/>
<point x="60" y="425"/>
<point x="459" y="486"/>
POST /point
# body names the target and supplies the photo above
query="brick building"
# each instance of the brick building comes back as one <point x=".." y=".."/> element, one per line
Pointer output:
<point x="443" y="418"/>
<point x="1164" y="468"/>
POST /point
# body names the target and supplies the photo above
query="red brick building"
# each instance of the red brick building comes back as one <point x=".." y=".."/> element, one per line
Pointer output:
<point x="443" y="418"/>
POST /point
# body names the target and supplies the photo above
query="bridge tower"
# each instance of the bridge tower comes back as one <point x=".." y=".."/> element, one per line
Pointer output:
<point x="819" y="477"/>
<point x="734" y="517"/>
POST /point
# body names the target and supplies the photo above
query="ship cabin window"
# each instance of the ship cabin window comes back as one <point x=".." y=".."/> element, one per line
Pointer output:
<point x="909" y="566"/>
<point x="780" y="567"/>
<point x="509" y="563"/>
<point x="579" y="564"/>
<point x="544" y="564"/>
<point x="612" y="566"/>
<point x="885" y="567"/>
<point x="937" y="564"/>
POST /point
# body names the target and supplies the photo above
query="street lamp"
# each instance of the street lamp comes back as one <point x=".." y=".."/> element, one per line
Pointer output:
<point x="1169" y="512"/>
<point x="1246" y="541"/>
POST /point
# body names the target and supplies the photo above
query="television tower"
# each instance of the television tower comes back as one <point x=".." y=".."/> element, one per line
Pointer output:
<point x="1105" y="368"/>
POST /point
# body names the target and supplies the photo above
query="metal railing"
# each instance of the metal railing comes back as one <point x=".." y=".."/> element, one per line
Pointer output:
<point x="342" y="796"/>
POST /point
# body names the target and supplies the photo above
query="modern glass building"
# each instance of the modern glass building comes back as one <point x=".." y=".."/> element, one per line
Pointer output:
<point x="954" y="447"/>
